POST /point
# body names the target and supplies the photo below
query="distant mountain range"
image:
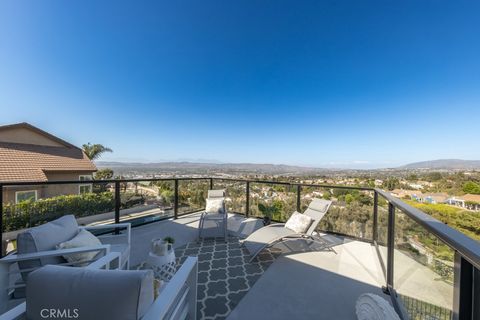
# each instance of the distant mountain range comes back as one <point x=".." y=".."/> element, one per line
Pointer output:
<point x="452" y="164"/>
<point x="210" y="167"/>
<point x="203" y="167"/>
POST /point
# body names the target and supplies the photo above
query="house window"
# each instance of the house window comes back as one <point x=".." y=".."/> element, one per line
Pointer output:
<point x="29" y="195"/>
<point x="85" y="188"/>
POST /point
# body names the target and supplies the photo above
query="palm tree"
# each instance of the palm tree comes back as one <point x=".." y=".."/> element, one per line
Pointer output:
<point x="94" y="151"/>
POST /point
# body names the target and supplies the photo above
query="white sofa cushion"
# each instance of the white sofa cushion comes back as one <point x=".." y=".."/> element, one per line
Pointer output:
<point x="373" y="307"/>
<point x="82" y="239"/>
<point x="215" y="206"/>
<point x="298" y="222"/>
<point x="96" y="294"/>
<point x="45" y="237"/>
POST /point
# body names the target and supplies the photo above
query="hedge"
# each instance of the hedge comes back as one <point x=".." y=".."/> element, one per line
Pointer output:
<point x="32" y="213"/>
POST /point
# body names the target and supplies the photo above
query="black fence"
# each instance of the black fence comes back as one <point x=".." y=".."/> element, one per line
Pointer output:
<point x="398" y="231"/>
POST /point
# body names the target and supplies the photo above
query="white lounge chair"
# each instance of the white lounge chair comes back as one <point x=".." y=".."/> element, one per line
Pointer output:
<point x="220" y="219"/>
<point x="91" y="293"/>
<point x="274" y="233"/>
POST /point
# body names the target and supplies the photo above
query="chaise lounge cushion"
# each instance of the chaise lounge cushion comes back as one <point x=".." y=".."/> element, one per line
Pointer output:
<point x="320" y="205"/>
<point x="96" y="294"/>
<point x="43" y="238"/>
<point x="215" y="206"/>
<point x="216" y="193"/>
<point x="298" y="222"/>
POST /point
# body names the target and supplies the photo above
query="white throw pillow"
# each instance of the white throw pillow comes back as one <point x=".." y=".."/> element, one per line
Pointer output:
<point x="299" y="222"/>
<point x="216" y="206"/>
<point x="372" y="307"/>
<point x="82" y="239"/>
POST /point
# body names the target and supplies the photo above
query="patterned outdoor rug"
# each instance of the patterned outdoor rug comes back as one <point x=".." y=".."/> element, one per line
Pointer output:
<point x="224" y="273"/>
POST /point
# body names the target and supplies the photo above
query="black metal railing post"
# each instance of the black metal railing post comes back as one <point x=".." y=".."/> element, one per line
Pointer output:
<point x="117" y="205"/>
<point x="211" y="183"/>
<point x="117" y="201"/>
<point x="466" y="290"/>
<point x="375" y="217"/>
<point x="175" y="203"/>
<point x="247" y="199"/>
<point x="390" y="244"/>
<point x="299" y="190"/>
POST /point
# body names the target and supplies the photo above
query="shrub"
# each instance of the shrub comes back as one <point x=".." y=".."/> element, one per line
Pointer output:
<point x="32" y="213"/>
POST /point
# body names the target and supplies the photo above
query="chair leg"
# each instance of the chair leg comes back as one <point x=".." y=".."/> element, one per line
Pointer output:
<point x="225" y="229"/>
<point x="200" y="227"/>
<point x="255" y="254"/>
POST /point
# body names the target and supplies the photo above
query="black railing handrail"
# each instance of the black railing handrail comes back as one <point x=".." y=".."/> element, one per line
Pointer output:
<point x="463" y="244"/>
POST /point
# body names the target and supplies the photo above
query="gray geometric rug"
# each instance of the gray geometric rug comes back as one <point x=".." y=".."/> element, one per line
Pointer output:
<point x="224" y="273"/>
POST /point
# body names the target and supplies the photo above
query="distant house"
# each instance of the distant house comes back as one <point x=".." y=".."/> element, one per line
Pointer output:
<point x="418" y="196"/>
<point x="456" y="201"/>
<point x="28" y="153"/>
<point x="415" y="186"/>
<point x="435" y="198"/>
<point x="472" y="201"/>
<point x="468" y="201"/>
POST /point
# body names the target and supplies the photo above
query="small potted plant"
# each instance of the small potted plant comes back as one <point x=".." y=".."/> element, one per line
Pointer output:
<point x="170" y="241"/>
<point x="267" y="214"/>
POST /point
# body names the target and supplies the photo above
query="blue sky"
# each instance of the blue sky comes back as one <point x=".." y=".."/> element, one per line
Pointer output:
<point x="319" y="83"/>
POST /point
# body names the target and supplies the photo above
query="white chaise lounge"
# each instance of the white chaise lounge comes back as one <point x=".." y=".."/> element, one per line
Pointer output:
<point x="219" y="217"/>
<point x="274" y="233"/>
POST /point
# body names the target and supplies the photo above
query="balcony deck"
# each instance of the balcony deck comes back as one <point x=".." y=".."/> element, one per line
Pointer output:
<point x="295" y="280"/>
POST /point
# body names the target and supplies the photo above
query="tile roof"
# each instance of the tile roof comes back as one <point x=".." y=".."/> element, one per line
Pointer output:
<point x="26" y="162"/>
<point x="471" y="197"/>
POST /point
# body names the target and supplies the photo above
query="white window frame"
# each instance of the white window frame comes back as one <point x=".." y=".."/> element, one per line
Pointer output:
<point x="25" y="191"/>
<point x="85" y="177"/>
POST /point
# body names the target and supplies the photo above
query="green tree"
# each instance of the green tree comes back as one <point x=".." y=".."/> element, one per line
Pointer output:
<point x="434" y="176"/>
<point x="471" y="187"/>
<point x="95" y="151"/>
<point x="349" y="198"/>
<point x="391" y="183"/>
<point x="104" y="174"/>
<point x="273" y="211"/>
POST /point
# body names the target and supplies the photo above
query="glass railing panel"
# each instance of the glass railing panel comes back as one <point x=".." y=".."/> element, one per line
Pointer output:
<point x="235" y="194"/>
<point x="382" y="230"/>
<point x="29" y="206"/>
<point x="423" y="271"/>
<point x="145" y="201"/>
<point x="275" y="201"/>
<point x="351" y="212"/>
<point x="192" y="195"/>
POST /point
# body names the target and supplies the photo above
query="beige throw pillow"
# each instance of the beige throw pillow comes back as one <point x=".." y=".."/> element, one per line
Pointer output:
<point x="82" y="239"/>
<point x="299" y="222"/>
<point x="216" y="206"/>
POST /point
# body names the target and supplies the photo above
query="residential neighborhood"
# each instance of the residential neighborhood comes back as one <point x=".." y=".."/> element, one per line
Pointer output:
<point x="468" y="201"/>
